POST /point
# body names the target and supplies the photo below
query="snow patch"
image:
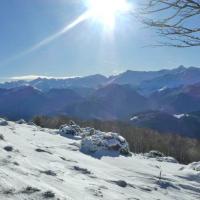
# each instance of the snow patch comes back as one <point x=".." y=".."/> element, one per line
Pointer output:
<point x="162" y="89"/>
<point x="134" y="118"/>
<point x="179" y="116"/>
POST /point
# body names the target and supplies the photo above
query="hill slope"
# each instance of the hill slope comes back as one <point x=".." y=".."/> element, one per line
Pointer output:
<point x="41" y="164"/>
<point x="183" y="124"/>
<point x="110" y="102"/>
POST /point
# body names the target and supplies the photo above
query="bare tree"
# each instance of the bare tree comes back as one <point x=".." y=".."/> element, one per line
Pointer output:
<point x="178" y="21"/>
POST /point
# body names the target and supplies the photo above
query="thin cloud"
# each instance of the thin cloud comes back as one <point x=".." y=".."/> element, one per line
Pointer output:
<point x="33" y="77"/>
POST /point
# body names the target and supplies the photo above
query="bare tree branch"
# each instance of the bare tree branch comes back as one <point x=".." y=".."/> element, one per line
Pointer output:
<point x="178" y="21"/>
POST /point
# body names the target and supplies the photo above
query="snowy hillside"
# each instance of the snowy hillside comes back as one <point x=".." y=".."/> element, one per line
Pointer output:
<point x="38" y="163"/>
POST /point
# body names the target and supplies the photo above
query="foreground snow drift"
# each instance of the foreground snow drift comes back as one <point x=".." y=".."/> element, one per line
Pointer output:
<point x="40" y="164"/>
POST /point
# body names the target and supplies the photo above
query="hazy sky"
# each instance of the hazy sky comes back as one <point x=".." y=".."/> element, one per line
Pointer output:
<point x="85" y="49"/>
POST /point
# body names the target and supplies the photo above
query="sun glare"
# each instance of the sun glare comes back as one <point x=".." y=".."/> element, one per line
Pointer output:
<point x="106" y="11"/>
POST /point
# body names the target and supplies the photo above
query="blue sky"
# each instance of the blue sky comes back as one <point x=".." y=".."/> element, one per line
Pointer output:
<point x="85" y="49"/>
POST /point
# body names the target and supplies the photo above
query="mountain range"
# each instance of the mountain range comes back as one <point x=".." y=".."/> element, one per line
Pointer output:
<point x="161" y="94"/>
<point x="145" y="81"/>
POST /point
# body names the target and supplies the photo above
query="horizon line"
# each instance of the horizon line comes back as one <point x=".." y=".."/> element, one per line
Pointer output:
<point x="31" y="77"/>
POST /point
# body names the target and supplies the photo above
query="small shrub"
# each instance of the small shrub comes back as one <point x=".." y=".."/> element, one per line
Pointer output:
<point x="8" y="148"/>
<point x="16" y="163"/>
<point x="1" y="137"/>
<point x="49" y="173"/>
<point x="48" y="194"/>
<point x="9" y="191"/>
<point x="121" y="183"/>
<point x="63" y="158"/>
<point x="30" y="190"/>
<point x="82" y="170"/>
<point x="42" y="151"/>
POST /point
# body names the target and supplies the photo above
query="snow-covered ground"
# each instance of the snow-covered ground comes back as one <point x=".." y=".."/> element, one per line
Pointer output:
<point x="38" y="163"/>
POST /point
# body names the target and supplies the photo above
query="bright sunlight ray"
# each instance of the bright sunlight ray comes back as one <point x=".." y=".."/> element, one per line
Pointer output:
<point x="104" y="11"/>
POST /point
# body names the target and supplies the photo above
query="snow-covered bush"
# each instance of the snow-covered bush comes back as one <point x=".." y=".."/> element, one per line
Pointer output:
<point x="160" y="157"/>
<point x="68" y="130"/>
<point x="21" y="121"/>
<point x="88" y="131"/>
<point x="194" y="166"/>
<point x="31" y="123"/>
<point x="3" y="122"/>
<point x="167" y="159"/>
<point x="93" y="140"/>
<point x="104" y="141"/>
<point x="154" y="154"/>
<point x="71" y="129"/>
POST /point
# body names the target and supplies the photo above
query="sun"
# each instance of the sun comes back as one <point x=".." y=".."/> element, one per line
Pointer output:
<point x="106" y="11"/>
